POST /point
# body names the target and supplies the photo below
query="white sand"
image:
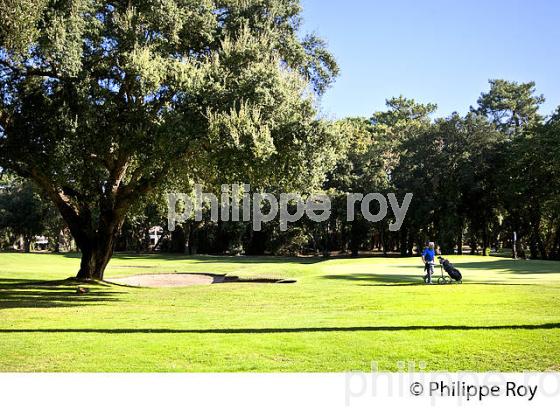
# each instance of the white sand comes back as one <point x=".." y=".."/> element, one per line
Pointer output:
<point x="165" y="280"/>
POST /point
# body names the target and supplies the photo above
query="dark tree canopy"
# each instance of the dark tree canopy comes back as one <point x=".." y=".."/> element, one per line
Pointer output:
<point x="22" y="211"/>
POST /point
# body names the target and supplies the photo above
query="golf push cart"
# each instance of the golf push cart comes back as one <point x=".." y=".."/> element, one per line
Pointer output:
<point x="453" y="274"/>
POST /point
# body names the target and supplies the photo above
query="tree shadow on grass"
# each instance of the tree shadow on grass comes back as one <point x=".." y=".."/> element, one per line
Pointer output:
<point x="542" y="326"/>
<point x="207" y="258"/>
<point x="513" y="266"/>
<point x="363" y="279"/>
<point x="519" y="267"/>
<point x="19" y="293"/>
<point x="379" y="279"/>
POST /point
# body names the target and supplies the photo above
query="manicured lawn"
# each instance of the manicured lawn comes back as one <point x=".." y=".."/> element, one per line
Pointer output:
<point x="340" y="316"/>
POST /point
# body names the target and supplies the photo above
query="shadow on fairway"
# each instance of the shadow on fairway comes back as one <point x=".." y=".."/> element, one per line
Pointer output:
<point x="364" y="279"/>
<point x="519" y="267"/>
<point x="379" y="279"/>
<point x="544" y="326"/>
<point x="516" y="267"/>
<point x="206" y="258"/>
<point x="17" y="294"/>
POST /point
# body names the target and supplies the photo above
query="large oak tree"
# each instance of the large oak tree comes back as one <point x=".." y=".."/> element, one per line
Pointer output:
<point x="104" y="101"/>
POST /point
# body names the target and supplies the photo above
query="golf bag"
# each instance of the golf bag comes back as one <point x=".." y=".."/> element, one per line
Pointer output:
<point x="451" y="270"/>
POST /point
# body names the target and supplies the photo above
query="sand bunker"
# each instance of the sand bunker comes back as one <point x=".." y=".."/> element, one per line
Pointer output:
<point x="174" y="280"/>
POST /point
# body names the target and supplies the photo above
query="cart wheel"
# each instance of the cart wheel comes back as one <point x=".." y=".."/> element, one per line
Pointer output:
<point x="441" y="281"/>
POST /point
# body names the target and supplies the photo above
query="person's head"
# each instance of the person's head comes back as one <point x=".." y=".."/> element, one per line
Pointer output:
<point x="431" y="245"/>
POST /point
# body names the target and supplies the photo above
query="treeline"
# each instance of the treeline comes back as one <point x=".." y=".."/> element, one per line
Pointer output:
<point x="25" y="215"/>
<point x="477" y="179"/>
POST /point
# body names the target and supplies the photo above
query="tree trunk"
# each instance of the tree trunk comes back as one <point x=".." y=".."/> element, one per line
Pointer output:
<point x="474" y="246"/>
<point x="160" y="240"/>
<point x="27" y="244"/>
<point x="460" y="239"/>
<point x="521" y="247"/>
<point x="326" y="251"/>
<point x="147" y="241"/>
<point x="191" y="244"/>
<point x="533" y="247"/>
<point x="178" y="240"/>
<point x="485" y="241"/>
<point x="541" y="246"/>
<point x="555" y="252"/>
<point x="514" y="246"/>
<point x="460" y="244"/>
<point x="57" y="242"/>
<point x="354" y="241"/>
<point x="95" y="257"/>
<point x="403" y="241"/>
<point x="410" y="243"/>
<point x="97" y="245"/>
<point x="383" y="240"/>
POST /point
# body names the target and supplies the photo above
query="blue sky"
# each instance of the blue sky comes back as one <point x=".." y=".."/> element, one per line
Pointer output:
<point x="434" y="50"/>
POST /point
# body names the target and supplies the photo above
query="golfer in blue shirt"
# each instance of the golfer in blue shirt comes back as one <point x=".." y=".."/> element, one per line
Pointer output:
<point x="429" y="257"/>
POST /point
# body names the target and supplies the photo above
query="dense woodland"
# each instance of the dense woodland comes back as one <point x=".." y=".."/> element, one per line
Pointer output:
<point x="476" y="179"/>
<point x="105" y="106"/>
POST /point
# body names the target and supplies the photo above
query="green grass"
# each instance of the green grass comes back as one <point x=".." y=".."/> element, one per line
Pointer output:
<point x="342" y="315"/>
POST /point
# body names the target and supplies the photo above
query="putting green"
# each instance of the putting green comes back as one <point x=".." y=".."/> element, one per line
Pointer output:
<point x="342" y="314"/>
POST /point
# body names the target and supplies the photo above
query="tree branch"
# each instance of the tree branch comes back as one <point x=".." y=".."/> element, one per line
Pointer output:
<point x="78" y="220"/>
<point x="4" y="119"/>
<point x="139" y="187"/>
